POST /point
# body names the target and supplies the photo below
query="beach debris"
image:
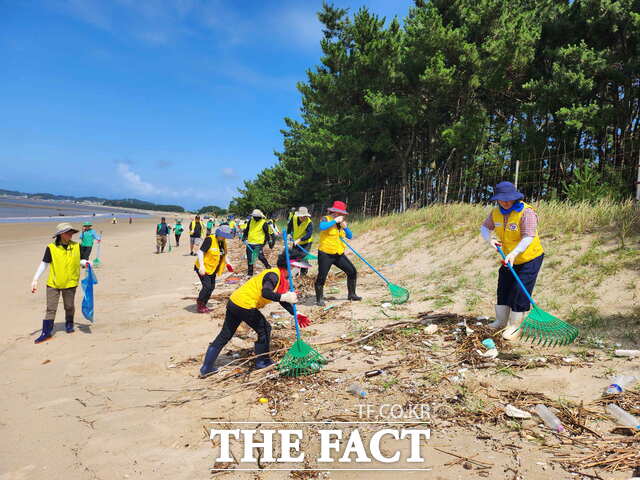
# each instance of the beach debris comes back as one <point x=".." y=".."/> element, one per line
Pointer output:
<point x="627" y="353"/>
<point x="431" y="329"/>
<point x="549" y="418"/>
<point x="263" y="400"/>
<point x="513" y="412"/>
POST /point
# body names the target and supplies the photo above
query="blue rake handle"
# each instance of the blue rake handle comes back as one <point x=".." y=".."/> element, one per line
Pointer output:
<point x="247" y="245"/>
<point x="368" y="264"/>
<point x="303" y="250"/>
<point x="291" y="287"/>
<point x="524" y="289"/>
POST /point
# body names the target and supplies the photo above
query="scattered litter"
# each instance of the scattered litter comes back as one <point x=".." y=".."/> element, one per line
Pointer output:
<point x="276" y="315"/>
<point x="627" y="353"/>
<point x="328" y="307"/>
<point x="263" y="400"/>
<point x="549" y="418"/>
<point x="539" y="360"/>
<point x="489" y="343"/>
<point x="622" y="417"/>
<point x="45" y="362"/>
<point x="570" y="359"/>
<point x="431" y="329"/>
<point x="385" y="305"/>
<point x="621" y="383"/>
<point x="373" y="373"/>
<point x="514" y="412"/>
<point x="368" y="348"/>
<point x="491" y="353"/>
<point x="482" y="318"/>
<point x="357" y="390"/>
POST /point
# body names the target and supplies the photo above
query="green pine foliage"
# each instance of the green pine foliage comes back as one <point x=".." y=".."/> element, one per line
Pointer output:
<point x="470" y="84"/>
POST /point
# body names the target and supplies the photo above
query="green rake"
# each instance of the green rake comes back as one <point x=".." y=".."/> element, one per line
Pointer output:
<point x="398" y="294"/>
<point x="309" y="256"/>
<point x="96" y="262"/>
<point x="540" y="325"/>
<point x="301" y="359"/>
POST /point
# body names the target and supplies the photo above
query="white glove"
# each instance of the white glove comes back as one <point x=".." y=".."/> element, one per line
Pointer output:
<point x="343" y="224"/>
<point x="289" y="297"/>
<point x="201" y="271"/>
<point x="511" y="257"/>
<point x="339" y="219"/>
<point x="34" y="286"/>
<point x="495" y="243"/>
<point x="84" y="263"/>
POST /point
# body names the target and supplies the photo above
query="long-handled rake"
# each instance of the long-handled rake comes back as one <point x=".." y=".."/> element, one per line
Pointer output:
<point x="301" y="359"/>
<point x="97" y="261"/>
<point x="398" y="293"/>
<point x="540" y="325"/>
<point x="309" y="255"/>
<point x="169" y="239"/>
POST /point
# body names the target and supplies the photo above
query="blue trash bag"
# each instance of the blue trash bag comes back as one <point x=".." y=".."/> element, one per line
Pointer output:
<point x="87" y="286"/>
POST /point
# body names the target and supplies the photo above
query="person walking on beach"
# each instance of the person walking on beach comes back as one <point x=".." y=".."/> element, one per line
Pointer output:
<point x="301" y="227"/>
<point x="130" y="220"/>
<point x="114" y="220"/>
<point x="271" y="285"/>
<point x="256" y="235"/>
<point x="210" y="224"/>
<point x="87" y="237"/>
<point x="331" y="251"/>
<point x="177" y="230"/>
<point x="162" y="232"/>
<point x="212" y="261"/>
<point x="515" y="224"/>
<point x="64" y="260"/>
<point x="196" y="231"/>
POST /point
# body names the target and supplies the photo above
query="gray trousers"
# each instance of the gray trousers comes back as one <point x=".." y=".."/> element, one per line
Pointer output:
<point x="68" y="299"/>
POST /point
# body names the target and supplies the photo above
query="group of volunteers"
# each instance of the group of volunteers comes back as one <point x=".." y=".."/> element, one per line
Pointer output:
<point x="513" y="223"/>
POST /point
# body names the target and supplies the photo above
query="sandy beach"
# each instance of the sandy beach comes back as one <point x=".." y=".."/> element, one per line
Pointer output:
<point x="120" y="398"/>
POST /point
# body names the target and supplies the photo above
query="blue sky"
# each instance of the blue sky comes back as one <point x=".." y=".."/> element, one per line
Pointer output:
<point x="172" y="101"/>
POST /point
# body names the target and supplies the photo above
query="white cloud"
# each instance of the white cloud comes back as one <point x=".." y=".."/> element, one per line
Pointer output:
<point x="229" y="172"/>
<point x="134" y="182"/>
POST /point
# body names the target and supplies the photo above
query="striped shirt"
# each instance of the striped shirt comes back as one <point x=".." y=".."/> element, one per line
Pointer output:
<point x="528" y="222"/>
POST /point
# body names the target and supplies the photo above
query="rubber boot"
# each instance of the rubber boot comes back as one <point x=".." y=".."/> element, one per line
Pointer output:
<point x="264" y="360"/>
<point x="202" y="307"/>
<point x="502" y="315"/>
<point x="250" y="271"/>
<point x="68" y="325"/>
<point x="513" y="326"/>
<point x="320" y="296"/>
<point x="47" y="329"/>
<point x="208" y="365"/>
<point x="351" y="288"/>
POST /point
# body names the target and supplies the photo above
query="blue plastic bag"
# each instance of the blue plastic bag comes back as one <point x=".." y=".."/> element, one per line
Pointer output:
<point x="87" y="286"/>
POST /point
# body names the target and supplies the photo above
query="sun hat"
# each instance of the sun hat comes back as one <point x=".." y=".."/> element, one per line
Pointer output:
<point x="257" y="213"/>
<point x="64" y="227"/>
<point x="303" y="212"/>
<point x="224" y="231"/>
<point x="338" y="207"/>
<point x="506" y="192"/>
<point x="87" y="224"/>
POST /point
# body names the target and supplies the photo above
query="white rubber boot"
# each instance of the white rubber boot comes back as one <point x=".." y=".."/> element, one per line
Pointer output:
<point x="502" y="315"/>
<point x="513" y="327"/>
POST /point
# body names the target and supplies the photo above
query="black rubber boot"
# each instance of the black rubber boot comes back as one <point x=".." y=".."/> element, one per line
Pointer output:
<point x="68" y="325"/>
<point x="320" y="296"/>
<point x="208" y="366"/>
<point x="262" y="361"/>
<point x="47" y="329"/>
<point x="351" y="288"/>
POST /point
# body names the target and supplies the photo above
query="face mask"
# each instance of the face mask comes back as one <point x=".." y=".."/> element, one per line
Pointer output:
<point x="257" y="218"/>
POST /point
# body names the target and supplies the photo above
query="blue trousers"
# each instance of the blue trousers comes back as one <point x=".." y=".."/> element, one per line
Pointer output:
<point x="510" y="293"/>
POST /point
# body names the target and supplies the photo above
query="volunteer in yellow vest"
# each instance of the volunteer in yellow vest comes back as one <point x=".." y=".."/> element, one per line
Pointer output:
<point x="515" y="225"/>
<point x="63" y="259"/>
<point x="302" y="227"/>
<point x="255" y="236"/>
<point x="244" y="305"/>
<point x="212" y="261"/>
<point x="232" y="225"/>
<point x="196" y="232"/>
<point x="331" y="251"/>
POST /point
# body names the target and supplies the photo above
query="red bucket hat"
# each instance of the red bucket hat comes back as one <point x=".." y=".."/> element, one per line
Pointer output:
<point x="339" y="207"/>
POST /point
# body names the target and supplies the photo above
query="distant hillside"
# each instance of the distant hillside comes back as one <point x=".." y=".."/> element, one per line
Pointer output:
<point x="142" y="205"/>
<point x="124" y="203"/>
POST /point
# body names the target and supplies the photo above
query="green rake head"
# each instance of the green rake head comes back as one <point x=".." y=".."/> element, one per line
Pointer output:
<point x="96" y="262"/>
<point x="301" y="359"/>
<point x="309" y="257"/>
<point x="254" y="256"/>
<point x="547" y="329"/>
<point x="399" y="295"/>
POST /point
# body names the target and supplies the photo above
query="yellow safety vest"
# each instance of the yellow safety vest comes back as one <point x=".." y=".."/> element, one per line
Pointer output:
<point x="330" y="239"/>
<point x="249" y="295"/>
<point x="65" y="265"/>
<point x="300" y="230"/>
<point x="192" y="227"/>
<point x="510" y="235"/>
<point x="213" y="261"/>
<point x="232" y="224"/>
<point x="256" y="234"/>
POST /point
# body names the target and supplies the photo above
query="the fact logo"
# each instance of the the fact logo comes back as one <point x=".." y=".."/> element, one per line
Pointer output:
<point x="323" y="445"/>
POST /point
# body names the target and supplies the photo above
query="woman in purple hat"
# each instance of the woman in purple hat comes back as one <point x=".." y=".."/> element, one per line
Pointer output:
<point x="515" y="225"/>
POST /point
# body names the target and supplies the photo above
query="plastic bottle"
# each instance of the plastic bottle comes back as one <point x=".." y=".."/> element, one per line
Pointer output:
<point x="549" y="419"/>
<point x="357" y="390"/>
<point x="621" y="383"/>
<point x="623" y="418"/>
<point x="627" y="353"/>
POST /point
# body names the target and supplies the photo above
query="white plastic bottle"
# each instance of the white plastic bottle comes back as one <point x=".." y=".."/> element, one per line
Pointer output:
<point x="621" y="383"/>
<point x="623" y="418"/>
<point x="549" y="419"/>
<point x="627" y="353"/>
<point x="357" y="390"/>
